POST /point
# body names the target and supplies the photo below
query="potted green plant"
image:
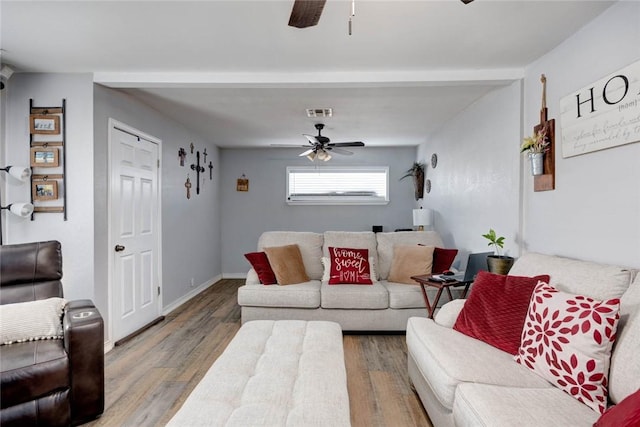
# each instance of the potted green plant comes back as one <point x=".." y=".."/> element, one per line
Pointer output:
<point x="536" y="146"/>
<point x="417" y="172"/>
<point x="497" y="263"/>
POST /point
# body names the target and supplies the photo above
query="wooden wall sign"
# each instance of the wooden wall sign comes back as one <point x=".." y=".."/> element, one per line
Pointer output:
<point x="242" y="184"/>
<point x="603" y="114"/>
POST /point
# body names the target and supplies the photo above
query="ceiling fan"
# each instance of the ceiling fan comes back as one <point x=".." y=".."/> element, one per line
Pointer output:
<point x="320" y="146"/>
<point x="306" y="13"/>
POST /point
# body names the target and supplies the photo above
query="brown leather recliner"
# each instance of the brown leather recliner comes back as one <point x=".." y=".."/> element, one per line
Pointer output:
<point x="49" y="382"/>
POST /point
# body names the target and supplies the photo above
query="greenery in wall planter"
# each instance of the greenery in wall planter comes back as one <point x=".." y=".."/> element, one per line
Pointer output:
<point x="497" y="263"/>
<point x="417" y="172"/>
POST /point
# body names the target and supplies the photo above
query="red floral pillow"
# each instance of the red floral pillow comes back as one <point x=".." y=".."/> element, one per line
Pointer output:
<point x="567" y="340"/>
<point x="260" y="264"/>
<point x="624" y="414"/>
<point x="496" y="309"/>
<point x="349" y="266"/>
<point x="442" y="259"/>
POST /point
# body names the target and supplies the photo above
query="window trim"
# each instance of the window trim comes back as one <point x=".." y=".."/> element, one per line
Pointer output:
<point x="337" y="200"/>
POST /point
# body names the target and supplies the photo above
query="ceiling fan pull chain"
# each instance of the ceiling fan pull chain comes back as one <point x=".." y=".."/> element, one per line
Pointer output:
<point x="353" y="13"/>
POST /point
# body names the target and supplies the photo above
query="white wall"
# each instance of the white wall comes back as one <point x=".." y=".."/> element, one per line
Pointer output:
<point x="594" y="213"/>
<point x="475" y="185"/>
<point x="482" y="180"/>
<point x="246" y="215"/>
<point x="191" y="228"/>
<point x="76" y="233"/>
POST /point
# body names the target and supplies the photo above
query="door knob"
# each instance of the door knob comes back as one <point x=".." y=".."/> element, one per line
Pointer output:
<point x="119" y="248"/>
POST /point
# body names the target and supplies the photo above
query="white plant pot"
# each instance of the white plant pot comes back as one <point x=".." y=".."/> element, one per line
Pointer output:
<point x="537" y="163"/>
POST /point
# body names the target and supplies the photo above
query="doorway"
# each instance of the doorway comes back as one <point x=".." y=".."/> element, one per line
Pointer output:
<point x="134" y="218"/>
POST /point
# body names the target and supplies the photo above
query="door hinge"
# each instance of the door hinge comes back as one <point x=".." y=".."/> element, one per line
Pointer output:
<point x="158" y="162"/>
<point x="158" y="290"/>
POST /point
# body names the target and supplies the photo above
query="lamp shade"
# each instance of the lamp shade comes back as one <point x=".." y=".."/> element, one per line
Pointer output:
<point x="22" y="210"/>
<point x="21" y="173"/>
<point x="422" y="217"/>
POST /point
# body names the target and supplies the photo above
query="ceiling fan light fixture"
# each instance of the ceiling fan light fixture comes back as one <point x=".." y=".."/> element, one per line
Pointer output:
<point x="323" y="155"/>
<point x="311" y="156"/>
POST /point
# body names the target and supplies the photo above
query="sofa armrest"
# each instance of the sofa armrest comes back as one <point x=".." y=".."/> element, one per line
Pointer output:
<point x="252" y="278"/>
<point x="84" y="343"/>
<point x="448" y="313"/>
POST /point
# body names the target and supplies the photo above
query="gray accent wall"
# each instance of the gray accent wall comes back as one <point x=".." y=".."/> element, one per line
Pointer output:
<point x="245" y="215"/>
<point x="190" y="228"/>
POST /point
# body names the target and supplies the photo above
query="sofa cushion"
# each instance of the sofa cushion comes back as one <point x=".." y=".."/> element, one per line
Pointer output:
<point x="624" y="414"/>
<point x="300" y="295"/>
<point x="447" y="358"/>
<point x="261" y="266"/>
<point x="31" y="370"/>
<point x="31" y="320"/>
<point x="498" y="406"/>
<point x="574" y="276"/>
<point x="567" y="340"/>
<point x="496" y="309"/>
<point x="442" y="259"/>
<point x="402" y="295"/>
<point x="410" y="261"/>
<point x="286" y="262"/>
<point x="624" y="373"/>
<point x="310" y="245"/>
<point x="349" y="266"/>
<point x="386" y="242"/>
<point x="370" y="297"/>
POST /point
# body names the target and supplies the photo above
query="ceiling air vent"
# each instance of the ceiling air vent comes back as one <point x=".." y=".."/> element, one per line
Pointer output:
<point x="319" y="112"/>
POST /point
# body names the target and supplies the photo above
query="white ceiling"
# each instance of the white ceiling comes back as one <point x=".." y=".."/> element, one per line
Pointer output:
<point x="237" y="74"/>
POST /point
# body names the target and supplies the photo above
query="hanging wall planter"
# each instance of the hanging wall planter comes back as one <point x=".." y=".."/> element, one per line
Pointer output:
<point x="536" y="146"/>
<point x="417" y="172"/>
<point x="537" y="163"/>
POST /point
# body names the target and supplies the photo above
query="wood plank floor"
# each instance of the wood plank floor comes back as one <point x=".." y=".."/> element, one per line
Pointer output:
<point x="148" y="378"/>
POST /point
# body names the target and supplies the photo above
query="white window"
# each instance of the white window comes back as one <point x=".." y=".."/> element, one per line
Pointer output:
<point x="338" y="185"/>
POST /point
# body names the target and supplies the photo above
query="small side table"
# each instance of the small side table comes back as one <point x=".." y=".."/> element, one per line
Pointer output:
<point x="424" y="281"/>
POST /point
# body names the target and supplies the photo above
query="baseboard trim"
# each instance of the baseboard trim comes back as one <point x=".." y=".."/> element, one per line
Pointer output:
<point x="234" y="275"/>
<point x="139" y="331"/>
<point x="194" y="292"/>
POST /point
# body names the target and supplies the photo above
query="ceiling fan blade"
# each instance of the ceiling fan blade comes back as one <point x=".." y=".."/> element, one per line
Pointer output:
<point x="340" y="151"/>
<point x="306" y="13"/>
<point x="306" y="153"/>
<point x="466" y="1"/>
<point x="346" y="144"/>
<point x="312" y="139"/>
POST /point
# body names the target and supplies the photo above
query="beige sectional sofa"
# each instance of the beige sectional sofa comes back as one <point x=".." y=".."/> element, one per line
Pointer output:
<point x="383" y="306"/>
<point x="462" y="381"/>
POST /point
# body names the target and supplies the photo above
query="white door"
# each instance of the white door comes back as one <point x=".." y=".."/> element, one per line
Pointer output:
<point x="134" y="230"/>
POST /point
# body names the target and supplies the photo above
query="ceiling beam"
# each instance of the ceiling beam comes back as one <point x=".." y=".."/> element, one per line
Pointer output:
<point x="330" y="79"/>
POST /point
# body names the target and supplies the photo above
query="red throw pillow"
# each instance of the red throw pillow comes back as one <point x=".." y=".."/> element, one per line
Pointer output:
<point x="442" y="259"/>
<point x="349" y="266"/>
<point x="624" y="414"/>
<point x="260" y="264"/>
<point x="496" y="309"/>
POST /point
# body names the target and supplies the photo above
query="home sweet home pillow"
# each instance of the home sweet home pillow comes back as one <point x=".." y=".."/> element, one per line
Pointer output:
<point x="567" y="340"/>
<point x="349" y="266"/>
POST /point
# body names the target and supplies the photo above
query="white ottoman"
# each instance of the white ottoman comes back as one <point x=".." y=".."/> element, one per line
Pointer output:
<point x="274" y="373"/>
